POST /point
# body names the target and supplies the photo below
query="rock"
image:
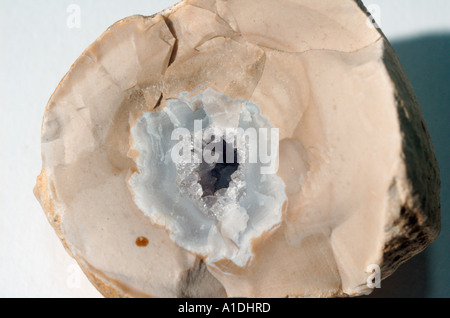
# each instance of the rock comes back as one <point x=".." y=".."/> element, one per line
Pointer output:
<point x="357" y="185"/>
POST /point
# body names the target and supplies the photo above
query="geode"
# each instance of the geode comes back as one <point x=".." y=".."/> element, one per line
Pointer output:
<point x="336" y="177"/>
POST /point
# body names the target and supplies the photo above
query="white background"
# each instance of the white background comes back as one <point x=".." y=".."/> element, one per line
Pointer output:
<point x="36" y="50"/>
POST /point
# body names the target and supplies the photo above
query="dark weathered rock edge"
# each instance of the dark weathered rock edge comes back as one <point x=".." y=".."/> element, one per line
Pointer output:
<point x="420" y="219"/>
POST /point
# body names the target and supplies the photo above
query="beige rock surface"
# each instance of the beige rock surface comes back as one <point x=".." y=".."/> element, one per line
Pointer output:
<point x="362" y="181"/>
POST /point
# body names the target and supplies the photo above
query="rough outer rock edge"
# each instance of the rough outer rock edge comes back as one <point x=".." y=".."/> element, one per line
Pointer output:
<point x="420" y="215"/>
<point x="419" y="223"/>
<point x="420" y="220"/>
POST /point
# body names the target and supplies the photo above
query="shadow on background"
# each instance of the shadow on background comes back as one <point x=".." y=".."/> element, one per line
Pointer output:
<point x="426" y="61"/>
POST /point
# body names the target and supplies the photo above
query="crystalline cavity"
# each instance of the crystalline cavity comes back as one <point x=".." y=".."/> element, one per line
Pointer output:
<point x="211" y="197"/>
